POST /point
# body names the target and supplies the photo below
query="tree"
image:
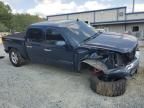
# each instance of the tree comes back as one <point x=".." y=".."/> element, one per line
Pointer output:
<point x="5" y="14"/>
<point x="19" y="22"/>
<point x="3" y="28"/>
<point x="15" y="22"/>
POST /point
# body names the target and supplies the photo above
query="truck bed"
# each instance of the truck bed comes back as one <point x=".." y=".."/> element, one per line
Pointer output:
<point x="16" y="41"/>
<point x="17" y="36"/>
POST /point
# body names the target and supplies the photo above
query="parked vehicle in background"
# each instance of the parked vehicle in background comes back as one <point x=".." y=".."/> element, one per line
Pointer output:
<point x="100" y="30"/>
<point x="111" y="56"/>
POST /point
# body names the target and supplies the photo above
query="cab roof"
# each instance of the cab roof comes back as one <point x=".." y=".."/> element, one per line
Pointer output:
<point x="63" y="23"/>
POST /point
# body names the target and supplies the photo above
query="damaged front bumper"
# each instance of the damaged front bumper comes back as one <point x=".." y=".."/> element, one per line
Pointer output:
<point x="127" y="70"/>
<point x="123" y="71"/>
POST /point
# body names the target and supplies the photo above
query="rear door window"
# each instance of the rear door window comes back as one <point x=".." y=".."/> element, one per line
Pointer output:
<point x="35" y="35"/>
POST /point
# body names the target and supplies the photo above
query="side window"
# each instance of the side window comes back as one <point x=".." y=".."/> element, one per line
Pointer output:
<point x="53" y="37"/>
<point x="35" y="35"/>
<point x="135" y="28"/>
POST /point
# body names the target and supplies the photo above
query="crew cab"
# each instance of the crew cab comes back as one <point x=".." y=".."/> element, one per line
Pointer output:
<point x="73" y="43"/>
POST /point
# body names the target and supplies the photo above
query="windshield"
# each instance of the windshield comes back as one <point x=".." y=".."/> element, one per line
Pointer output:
<point x="79" y="31"/>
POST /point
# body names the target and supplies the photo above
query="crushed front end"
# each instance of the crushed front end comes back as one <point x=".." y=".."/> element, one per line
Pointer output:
<point x="113" y="63"/>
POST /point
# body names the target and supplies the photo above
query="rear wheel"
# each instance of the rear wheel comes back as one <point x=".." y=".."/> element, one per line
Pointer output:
<point x="16" y="58"/>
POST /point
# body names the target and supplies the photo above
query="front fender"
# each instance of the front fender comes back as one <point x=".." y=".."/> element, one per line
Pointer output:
<point x="96" y="64"/>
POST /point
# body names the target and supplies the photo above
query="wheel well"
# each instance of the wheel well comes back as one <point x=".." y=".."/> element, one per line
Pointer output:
<point x="9" y="48"/>
<point x="96" y="68"/>
<point x="85" y="66"/>
<point x="25" y="57"/>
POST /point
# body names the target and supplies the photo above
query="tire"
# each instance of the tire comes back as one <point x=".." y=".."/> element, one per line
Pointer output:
<point x="112" y="88"/>
<point x="15" y="54"/>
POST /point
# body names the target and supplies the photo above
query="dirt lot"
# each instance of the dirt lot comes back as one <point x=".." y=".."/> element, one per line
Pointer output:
<point x="43" y="86"/>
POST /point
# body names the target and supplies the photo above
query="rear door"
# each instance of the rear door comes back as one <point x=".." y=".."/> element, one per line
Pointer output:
<point x="34" y="45"/>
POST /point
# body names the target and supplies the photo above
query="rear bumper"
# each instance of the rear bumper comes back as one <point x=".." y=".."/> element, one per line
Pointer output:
<point x="127" y="70"/>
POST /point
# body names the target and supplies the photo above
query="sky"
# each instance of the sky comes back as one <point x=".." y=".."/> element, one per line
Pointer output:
<point x="52" y="7"/>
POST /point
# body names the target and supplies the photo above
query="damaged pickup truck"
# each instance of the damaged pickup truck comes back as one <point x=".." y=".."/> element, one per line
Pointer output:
<point x="112" y="57"/>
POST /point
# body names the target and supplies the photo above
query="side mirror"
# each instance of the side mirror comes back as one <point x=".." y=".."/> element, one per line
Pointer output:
<point x="63" y="43"/>
<point x="60" y="43"/>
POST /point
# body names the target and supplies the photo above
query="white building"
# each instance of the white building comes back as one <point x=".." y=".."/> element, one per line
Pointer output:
<point x="112" y="20"/>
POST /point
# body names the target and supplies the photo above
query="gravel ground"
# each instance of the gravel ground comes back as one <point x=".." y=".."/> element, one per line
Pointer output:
<point x="43" y="86"/>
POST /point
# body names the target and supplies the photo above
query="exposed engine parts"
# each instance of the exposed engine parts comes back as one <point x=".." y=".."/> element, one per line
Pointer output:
<point x="107" y="60"/>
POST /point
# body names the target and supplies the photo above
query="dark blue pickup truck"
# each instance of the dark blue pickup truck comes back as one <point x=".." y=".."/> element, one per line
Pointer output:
<point x="76" y="44"/>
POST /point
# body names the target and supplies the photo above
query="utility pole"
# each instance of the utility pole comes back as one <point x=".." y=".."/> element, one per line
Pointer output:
<point x="133" y="8"/>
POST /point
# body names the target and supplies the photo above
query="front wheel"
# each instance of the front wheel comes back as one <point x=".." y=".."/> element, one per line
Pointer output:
<point x="108" y="88"/>
<point x="15" y="58"/>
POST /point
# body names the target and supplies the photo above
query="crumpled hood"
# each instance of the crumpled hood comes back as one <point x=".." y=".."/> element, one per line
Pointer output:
<point x="113" y="41"/>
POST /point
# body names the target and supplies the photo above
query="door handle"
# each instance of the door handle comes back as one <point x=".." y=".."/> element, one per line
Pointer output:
<point x="28" y="46"/>
<point x="47" y="50"/>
